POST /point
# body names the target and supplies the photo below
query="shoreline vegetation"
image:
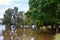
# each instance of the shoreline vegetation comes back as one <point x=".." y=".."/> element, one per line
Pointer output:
<point x="44" y="29"/>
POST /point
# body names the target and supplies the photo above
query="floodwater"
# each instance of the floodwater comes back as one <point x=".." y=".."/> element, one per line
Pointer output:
<point x="25" y="34"/>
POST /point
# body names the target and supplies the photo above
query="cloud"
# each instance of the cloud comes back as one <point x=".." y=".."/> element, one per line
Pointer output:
<point x="11" y="3"/>
<point x="2" y="11"/>
<point x="6" y="2"/>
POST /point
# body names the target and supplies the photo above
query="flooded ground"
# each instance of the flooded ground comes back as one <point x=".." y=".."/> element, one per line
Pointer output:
<point x="27" y="33"/>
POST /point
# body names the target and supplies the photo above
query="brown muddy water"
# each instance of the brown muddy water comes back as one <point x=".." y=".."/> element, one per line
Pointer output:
<point x="28" y="33"/>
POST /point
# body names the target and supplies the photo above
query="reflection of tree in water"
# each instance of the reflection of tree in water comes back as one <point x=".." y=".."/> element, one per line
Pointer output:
<point x="37" y="36"/>
<point x="43" y="36"/>
<point x="14" y="34"/>
<point x="2" y="29"/>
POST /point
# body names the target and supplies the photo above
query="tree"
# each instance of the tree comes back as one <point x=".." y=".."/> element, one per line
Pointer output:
<point x="44" y="12"/>
<point x="19" y="18"/>
<point x="12" y="16"/>
<point x="7" y="16"/>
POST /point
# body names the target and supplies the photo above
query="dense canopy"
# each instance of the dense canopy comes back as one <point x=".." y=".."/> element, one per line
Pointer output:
<point x="44" y="12"/>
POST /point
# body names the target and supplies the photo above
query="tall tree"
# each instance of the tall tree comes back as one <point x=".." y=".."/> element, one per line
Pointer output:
<point x="17" y="17"/>
<point x="7" y="16"/>
<point x="44" y="12"/>
<point x="20" y="18"/>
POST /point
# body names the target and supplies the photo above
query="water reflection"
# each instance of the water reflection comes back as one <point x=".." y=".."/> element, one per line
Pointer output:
<point x="57" y="36"/>
<point x="31" y="37"/>
<point x="30" y="34"/>
<point x="2" y="28"/>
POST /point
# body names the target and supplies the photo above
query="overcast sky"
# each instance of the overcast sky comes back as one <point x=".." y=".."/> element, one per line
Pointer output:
<point x="5" y="4"/>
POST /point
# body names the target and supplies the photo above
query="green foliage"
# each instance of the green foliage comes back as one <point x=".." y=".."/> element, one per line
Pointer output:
<point x="8" y="20"/>
<point x="7" y="16"/>
<point x="19" y="18"/>
<point x="43" y="12"/>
